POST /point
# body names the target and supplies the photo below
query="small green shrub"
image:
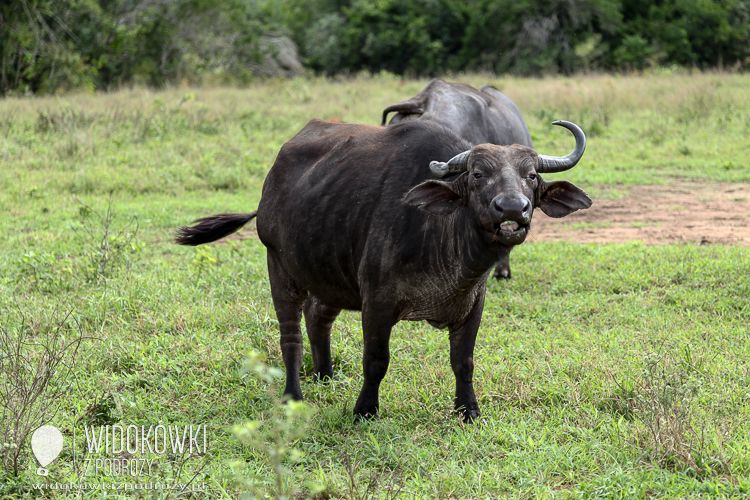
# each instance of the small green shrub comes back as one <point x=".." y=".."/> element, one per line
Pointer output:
<point x="272" y="435"/>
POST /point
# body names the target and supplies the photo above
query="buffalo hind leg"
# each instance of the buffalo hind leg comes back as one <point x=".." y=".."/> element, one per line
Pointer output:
<point x="462" y="339"/>
<point x="318" y="320"/>
<point x="376" y="328"/>
<point x="502" y="271"/>
<point x="287" y="300"/>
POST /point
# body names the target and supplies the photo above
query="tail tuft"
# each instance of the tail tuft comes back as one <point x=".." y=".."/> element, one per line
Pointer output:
<point x="212" y="228"/>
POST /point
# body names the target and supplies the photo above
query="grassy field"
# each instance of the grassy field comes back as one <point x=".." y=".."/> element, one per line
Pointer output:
<point x="612" y="371"/>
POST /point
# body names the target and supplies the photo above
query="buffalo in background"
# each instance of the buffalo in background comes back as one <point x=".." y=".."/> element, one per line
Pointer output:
<point x="479" y="116"/>
<point x="353" y="218"/>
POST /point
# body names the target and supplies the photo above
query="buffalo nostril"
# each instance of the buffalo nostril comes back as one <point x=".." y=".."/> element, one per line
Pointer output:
<point x="497" y="206"/>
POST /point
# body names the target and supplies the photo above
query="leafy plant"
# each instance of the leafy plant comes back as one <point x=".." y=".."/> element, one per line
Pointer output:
<point x="272" y="435"/>
<point x="107" y="247"/>
<point x="204" y="259"/>
<point x="43" y="271"/>
<point x="37" y="363"/>
<point x="663" y="399"/>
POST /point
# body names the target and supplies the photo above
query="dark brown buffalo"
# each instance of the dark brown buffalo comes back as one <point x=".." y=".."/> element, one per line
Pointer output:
<point x="353" y="219"/>
<point x="479" y="116"/>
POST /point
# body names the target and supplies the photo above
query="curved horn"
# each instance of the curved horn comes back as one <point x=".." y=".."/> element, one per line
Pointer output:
<point x="552" y="164"/>
<point x="455" y="165"/>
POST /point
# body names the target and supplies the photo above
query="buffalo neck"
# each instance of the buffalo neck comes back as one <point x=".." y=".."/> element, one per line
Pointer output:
<point x="474" y="250"/>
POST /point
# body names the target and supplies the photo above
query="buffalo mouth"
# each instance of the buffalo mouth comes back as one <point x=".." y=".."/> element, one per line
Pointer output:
<point x="510" y="231"/>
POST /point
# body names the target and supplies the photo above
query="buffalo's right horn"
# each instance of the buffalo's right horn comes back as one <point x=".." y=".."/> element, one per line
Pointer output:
<point x="455" y="165"/>
<point x="552" y="164"/>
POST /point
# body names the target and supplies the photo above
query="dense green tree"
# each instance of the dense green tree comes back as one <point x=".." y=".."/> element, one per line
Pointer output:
<point x="51" y="45"/>
<point x="535" y="36"/>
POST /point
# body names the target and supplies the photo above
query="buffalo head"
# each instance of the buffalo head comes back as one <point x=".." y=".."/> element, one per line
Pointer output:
<point x="501" y="186"/>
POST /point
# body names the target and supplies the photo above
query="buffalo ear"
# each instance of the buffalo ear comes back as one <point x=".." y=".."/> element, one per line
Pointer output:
<point x="561" y="198"/>
<point x="435" y="197"/>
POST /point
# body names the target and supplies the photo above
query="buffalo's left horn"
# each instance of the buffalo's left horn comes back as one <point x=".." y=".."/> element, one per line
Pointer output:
<point x="552" y="164"/>
<point x="455" y="165"/>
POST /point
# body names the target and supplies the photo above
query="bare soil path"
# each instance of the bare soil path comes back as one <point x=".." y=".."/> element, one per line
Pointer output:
<point x="702" y="213"/>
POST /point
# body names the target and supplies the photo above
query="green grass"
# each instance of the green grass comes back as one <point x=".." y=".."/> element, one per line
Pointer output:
<point x="574" y="357"/>
<point x="588" y="225"/>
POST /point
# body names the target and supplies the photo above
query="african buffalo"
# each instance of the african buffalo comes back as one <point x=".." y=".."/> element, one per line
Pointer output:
<point x="352" y="219"/>
<point x="479" y="116"/>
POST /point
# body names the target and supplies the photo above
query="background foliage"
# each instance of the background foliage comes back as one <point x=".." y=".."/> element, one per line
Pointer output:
<point x="50" y="45"/>
<point x="56" y="45"/>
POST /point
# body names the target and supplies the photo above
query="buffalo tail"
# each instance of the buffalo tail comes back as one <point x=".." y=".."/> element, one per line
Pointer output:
<point x="212" y="228"/>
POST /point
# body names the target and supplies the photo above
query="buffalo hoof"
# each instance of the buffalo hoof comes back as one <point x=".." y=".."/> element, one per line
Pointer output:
<point x="365" y="411"/>
<point x="291" y="396"/>
<point x="502" y="273"/>
<point x="468" y="413"/>
<point x="365" y="417"/>
<point x="469" y="417"/>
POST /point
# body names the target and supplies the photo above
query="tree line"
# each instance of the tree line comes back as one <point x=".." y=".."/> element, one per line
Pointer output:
<point x="53" y="45"/>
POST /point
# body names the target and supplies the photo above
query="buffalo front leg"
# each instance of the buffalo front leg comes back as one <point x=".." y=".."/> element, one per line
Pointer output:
<point x="287" y="300"/>
<point x="376" y="328"/>
<point x="462" y="339"/>
<point x="502" y="270"/>
<point x="318" y="320"/>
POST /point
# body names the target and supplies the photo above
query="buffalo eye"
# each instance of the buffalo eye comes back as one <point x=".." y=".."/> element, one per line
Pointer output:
<point x="531" y="177"/>
<point x="477" y="175"/>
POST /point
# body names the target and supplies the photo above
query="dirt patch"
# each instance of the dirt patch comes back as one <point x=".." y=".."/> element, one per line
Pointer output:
<point x="249" y="232"/>
<point x="657" y="214"/>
